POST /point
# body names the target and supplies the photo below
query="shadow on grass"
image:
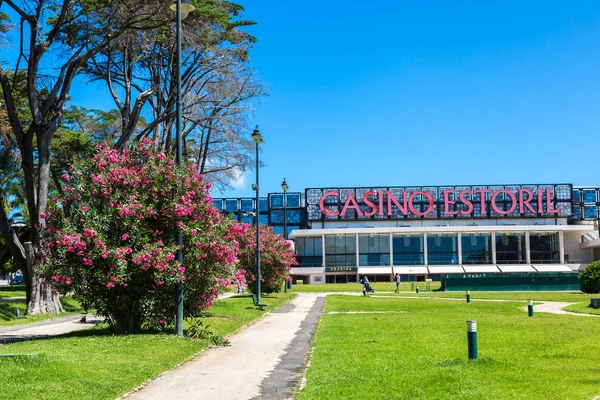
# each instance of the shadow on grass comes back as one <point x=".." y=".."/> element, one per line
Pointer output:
<point x="8" y="311"/>
<point x="459" y="362"/>
<point x="13" y="288"/>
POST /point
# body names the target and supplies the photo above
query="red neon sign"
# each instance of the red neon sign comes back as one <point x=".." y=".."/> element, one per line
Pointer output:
<point x="522" y="200"/>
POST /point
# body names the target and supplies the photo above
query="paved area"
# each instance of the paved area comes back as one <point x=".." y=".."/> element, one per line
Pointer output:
<point x="45" y="329"/>
<point x="556" y="307"/>
<point x="264" y="361"/>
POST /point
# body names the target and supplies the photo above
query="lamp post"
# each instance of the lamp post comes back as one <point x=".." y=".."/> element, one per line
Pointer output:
<point x="182" y="8"/>
<point x="285" y="187"/>
<point x="258" y="140"/>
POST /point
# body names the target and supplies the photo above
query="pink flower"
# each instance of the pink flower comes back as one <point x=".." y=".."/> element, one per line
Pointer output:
<point x="124" y="237"/>
<point x="110" y="285"/>
<point x="161" y="156"/>
<point x="84" y="208"/>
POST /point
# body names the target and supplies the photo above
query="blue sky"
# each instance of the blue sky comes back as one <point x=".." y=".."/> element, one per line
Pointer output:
<point x="392" y="93"/>
<point x="427" y="93"/>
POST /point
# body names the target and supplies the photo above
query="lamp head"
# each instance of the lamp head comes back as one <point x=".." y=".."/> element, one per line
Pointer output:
<point x="186" y="8"/>
<point x="256" y="136"/>
<point x="284" y="185"/>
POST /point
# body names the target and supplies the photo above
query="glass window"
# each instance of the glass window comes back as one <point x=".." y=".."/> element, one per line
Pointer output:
<point x="544" y="248"/>
<point x="294" y="216"/>
<point x="293" y="200"/>
<point x="374" y="249"/>
<point x="218" y="204"/>
<point x="277" y="216"/>
<point x="577" y="212"/>
<point x="408" y="249"/>
<point x="340" y="250"/>
<point x="576" y="196"/>
<point x="247" y="219"/>
<point x="510" y="248"/>
<point x="442" y="249"/>
<point x="277" y="200"/>
<point x="476" y="248"/>
<point x="264" y="219"/>
<point x="264" y="205"/>
<point x="590" y="212"/>
<point x="309" y="251"/>
<point x="231" y="205"/>
<point x="278" y="230"/>
<point x="589" y="195"/>
<point x="247" y="205"/>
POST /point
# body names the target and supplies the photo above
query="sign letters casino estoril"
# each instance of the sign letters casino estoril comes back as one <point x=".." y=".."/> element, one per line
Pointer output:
<point x="535" y="200"/>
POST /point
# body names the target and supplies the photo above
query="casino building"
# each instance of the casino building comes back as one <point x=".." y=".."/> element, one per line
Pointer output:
<point x="427" y="232"/>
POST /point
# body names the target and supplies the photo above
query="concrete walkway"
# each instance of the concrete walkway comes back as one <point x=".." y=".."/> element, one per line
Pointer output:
<point x="265" y="360"/>
<point x="556" y="307"/>
<point x="46" y="329"/>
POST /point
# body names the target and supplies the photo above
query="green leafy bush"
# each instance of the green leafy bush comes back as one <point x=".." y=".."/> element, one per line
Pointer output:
<point x="111" y="238"/>
<point x="589" y="278"/>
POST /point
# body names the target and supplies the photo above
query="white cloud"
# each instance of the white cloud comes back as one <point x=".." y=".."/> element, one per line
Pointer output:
<point x="239" y="181"/>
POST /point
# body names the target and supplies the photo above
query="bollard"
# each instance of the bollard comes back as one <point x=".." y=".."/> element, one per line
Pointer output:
<point x="472" y="339"/>
<point x="417" y="290"/>
<point x="364" y="291"/>
<point x="530" y="308"/>
<point x="284" y="286"/>
<point x="468" y="297"/>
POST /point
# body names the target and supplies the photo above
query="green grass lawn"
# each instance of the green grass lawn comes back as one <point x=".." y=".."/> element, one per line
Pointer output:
<point x="571" y="296"/>
<point x="93" y="364"/>
<point x="8" y="313"/>
<point x="15" y="291"/>
<point x="418" y="350"/>
<point x="583" y="308"/>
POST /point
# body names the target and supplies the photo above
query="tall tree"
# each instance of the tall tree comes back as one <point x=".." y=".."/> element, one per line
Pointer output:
<point x="56" y="40"/>
<point x="217" y="82"/>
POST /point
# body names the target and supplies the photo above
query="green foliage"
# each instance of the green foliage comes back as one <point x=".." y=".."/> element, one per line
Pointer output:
<point x="590" y="278"/>
<point x="111" y="237"/>
<point x="197" y="330"/>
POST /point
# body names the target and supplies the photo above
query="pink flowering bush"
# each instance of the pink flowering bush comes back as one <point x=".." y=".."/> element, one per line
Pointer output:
<point x="111" y="238"/>
<point x="276" y="258"/>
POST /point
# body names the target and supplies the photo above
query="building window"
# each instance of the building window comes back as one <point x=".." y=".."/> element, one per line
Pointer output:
<point x="373" y="250"/>
<point x="246" y="205"/>
<point x="408" y="249"/>
<point x="231" y="205"/>
<point x="590" y="212"/>
<point x="589" y="195"/>
<point x="293" y="200"/>
<point x="476" y="248"/>
<point x="442" y="249"/>
<point x="309" y="251"/>
<point x="340" y="250"/>
<point x="544" y="248"/>
<point x="277" y="201"/>
<point x="264" y="205"/>
<point x="510" y="248"/>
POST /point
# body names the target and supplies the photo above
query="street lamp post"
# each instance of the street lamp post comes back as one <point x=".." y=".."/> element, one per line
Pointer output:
<point x="285" y="187"/>
<point x="258" y="140"/>
<point x="182" y="8"/>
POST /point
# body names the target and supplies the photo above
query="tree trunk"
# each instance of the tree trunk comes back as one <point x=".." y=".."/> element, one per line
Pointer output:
<point x="42" y="299"/>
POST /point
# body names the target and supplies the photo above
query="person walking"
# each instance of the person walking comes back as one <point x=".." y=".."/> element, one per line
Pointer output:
<point x="363" y="282"/>
<point x="397" y="280"/>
